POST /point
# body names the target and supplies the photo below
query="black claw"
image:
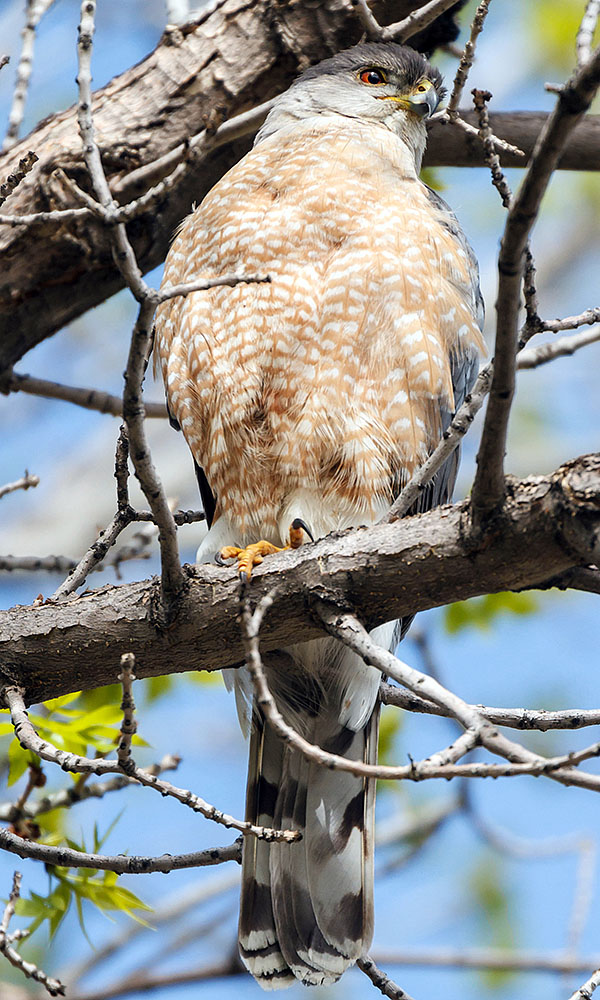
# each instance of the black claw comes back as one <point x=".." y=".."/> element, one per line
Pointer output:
<point x="299" y="523"/>
<point x="219" y="559"/>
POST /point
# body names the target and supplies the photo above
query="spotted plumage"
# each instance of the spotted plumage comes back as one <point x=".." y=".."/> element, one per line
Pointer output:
<point x="317" y="395"/>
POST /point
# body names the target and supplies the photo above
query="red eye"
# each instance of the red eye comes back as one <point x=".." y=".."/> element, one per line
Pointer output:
<point x="373" y="76"/>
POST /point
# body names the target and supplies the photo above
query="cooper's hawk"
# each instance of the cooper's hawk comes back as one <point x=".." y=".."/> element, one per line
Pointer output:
<point x="316" y="397"/>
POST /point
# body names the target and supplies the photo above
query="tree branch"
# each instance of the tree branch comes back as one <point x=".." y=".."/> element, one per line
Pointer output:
<point x="573" y="101"/>
<point x="29" y="740"/>
<point x="121" y="864"/>
<point x="548" y="527"/>
<point x="52" y="986"/>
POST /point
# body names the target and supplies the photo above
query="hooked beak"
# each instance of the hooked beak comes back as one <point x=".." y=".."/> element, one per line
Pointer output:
<point x="423" y="104"/>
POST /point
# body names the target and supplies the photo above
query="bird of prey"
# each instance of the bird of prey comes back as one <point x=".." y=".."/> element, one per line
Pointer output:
<point x="310" y="401"/>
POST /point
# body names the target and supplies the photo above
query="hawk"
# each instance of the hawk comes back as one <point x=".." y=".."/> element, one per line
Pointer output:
<point x="308" y="402"/>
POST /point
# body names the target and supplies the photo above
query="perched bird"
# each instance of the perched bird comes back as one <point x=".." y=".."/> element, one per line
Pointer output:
<point x="310" y="401"/>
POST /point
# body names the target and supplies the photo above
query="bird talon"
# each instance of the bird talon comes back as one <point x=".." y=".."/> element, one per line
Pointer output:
<point x="296" y="528"/>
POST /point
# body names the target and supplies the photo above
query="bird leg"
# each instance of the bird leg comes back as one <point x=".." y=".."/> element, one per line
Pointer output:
<point x="254" y="554"/>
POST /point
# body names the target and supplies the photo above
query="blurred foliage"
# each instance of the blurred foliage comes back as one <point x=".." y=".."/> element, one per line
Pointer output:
<point x="432" y="178"/>
<point x="554" y="25"/>
<point x="493" y="913"/>
<point x="390" y="724"/>
<point x="482" y="611"/>
<point x="77" y="729"/>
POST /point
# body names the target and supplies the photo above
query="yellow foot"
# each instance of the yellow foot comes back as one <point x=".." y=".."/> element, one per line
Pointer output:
<point x="254" y="554"/>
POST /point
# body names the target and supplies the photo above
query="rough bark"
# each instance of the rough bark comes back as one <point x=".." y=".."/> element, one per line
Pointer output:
<point x="549" y="524"/>
<point x="239" y="55"/>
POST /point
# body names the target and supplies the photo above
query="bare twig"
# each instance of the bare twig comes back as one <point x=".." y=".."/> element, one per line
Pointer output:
<point x="13" y="180"/>
<point x="573" y="101"/>
<point x="585" y="318"/>
<point x="419" y="19"/>
<point x="93" y="557"/>
<point x="65" y="798"/>
<point x="440" y="765"/>
<point x="486" y="958"/>
<point x="515" y="718"/>
<point x="350" y="631"/>
<point x="29" y="740"/>
<point x="34" y="11"/>
<point x="90" y="399"/>
<point x="25" y="483"/>
<point x="121" y="864"/>
<point x="583" y="41"/>
<point x="461" y="422"/>
<point x="563" y="347"/>
<point x="480" y="99"/>
<point x="379" y="979"/>
<point x="373" y="29"/>
<point x="133" y="409"/>
<point x="467" y="58"/>
<point x="52" y="986"/>
<point x="585" y="992"/>
<point x="129" y="724"/>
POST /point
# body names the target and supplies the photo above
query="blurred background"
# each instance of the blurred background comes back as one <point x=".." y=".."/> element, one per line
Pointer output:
<point x="504" y="864"/>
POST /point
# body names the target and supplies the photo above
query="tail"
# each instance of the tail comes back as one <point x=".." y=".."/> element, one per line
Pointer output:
<point x="306" y="907"/>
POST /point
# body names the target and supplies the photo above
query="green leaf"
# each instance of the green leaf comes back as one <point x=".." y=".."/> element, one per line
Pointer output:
<point x="18" y="761"/>
<point x="481" y="611"/>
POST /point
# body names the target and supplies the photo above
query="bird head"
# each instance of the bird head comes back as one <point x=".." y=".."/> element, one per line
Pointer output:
<point x="378" y="82"/>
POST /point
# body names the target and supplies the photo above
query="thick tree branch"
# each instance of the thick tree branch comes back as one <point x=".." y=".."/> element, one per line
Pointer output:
<point x="549" y="526"/>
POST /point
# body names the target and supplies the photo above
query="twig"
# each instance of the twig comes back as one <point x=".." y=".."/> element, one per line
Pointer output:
<point x="585" y="318"/>
<point x="172" y="578"/>
<point x="93" y="557"/>
<point x="563" y="347"/>
<point x="373" y="29"/>
<point x="573" y="101"/>
<point x="121" y="864"/>
<point x="585" y="992"/>
<point x="379" y="979"/>
<point x="441" y="765"/>
<point x="29" y="740"/>
<point x="138" y="549"/>
<point x="486" y="958"/>
<point x="416" y="21"/>
<point x="480" y="99"/>
<point x="34" y="11"/>
<point x="583" y="41"/>
<point x="351" y="632"/>
<point x="515" y="718"/>
<point x="451" y="439"/>
<point x="129" y="724"/>
<point x="90" y="399"/>
<point x="202" y="284"/>
<point x="65" y="798"/>
<point x="145" y="982"/>
<point x="467" y="58"/>
<point x="25" y="483"/>
<point x="13" y="180"/>
<point x="52" y="986"/>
